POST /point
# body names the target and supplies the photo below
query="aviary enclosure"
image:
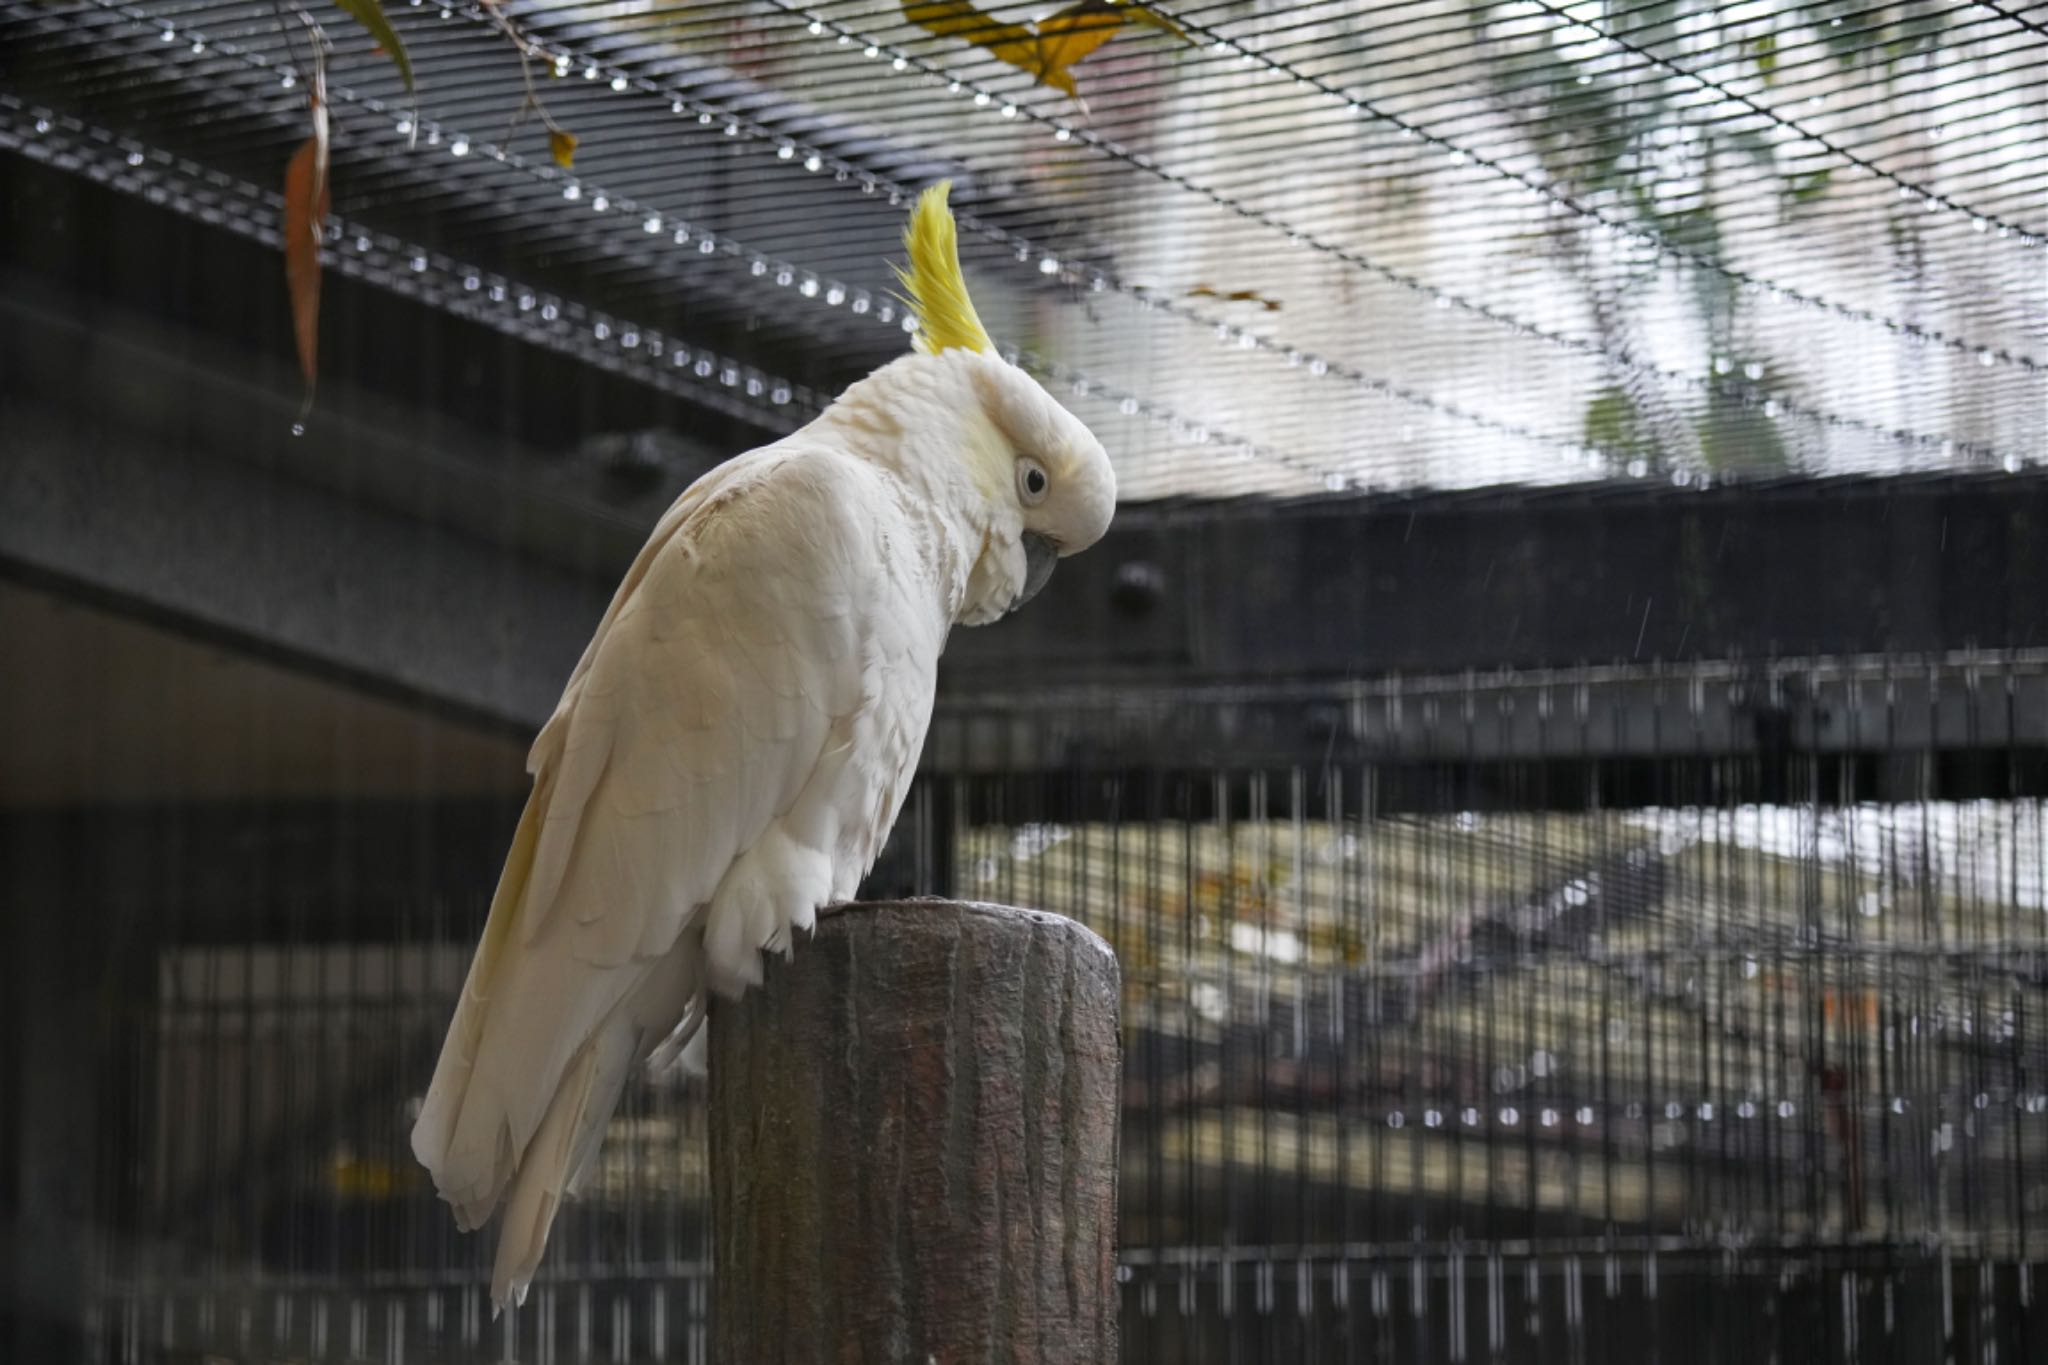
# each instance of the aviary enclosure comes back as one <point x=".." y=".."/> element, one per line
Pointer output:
<point x="1557" y="736"/>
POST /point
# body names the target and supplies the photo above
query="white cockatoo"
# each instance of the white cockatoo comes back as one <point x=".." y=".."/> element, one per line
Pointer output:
<point x="731" y="751"/>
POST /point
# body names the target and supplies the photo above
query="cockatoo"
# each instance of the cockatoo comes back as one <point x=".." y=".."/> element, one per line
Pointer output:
<point x="731" y="751"/>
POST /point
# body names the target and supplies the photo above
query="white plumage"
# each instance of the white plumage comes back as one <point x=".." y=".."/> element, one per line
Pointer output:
<point x="732" y="750"/>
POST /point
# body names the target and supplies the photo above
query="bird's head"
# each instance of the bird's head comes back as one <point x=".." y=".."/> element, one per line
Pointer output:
<point x="1043" y="483"/>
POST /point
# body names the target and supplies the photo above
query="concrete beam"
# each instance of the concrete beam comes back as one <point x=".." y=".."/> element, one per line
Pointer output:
<point x="143" y="501"/>
<point x="1538" y="578"/>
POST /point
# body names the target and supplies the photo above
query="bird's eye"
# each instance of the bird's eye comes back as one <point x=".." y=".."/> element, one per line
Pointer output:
<point x="1032" y="481"/>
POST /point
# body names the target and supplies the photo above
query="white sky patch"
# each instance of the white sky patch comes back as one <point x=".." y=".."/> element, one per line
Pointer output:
<point x="1994" y="851"/>
<point x="1281" y="945"/>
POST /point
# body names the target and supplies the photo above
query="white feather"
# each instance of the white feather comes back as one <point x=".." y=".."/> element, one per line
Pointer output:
<point x="714" y="765"/>
<point x="729" y="755"/>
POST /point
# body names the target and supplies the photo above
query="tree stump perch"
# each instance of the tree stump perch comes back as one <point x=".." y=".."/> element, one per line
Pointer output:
<point x="913" y="1144"/>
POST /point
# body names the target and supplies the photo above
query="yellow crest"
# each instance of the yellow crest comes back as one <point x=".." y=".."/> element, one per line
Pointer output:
<point x="946" y="319"/>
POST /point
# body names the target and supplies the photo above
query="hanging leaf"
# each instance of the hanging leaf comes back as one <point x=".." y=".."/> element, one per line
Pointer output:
<point x="1153" y="18"/>
<point x="1046" y="49"/>
<point x="562" y="146"/>
<point x="959" y="19"/>
<point x="370" y="14"/>
<point x="305" y="221"/>
<point x="1062" y="40"/>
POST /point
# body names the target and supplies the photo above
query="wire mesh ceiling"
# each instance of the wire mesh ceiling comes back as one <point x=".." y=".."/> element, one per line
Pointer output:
<point x="1263" y="248"/>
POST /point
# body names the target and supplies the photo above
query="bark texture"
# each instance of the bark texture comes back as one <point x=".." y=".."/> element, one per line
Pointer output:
<point x="913" y="1144"/>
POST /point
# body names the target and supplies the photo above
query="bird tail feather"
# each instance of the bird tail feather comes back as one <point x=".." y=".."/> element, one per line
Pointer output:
<point x="473" y="1189"/>
<point x="531" y="1144"/>
<point x="556" y="1161"/>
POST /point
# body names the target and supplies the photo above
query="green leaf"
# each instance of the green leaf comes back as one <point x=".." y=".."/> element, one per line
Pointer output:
<point x="370" y="14"/>
<point x="1613" y="424"/>
<point x="1805" y="189"/>
<point x="1765" y="50"/>
<point x="1738" y="437"/>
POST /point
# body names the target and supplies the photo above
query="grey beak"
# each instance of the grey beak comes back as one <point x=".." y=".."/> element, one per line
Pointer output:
<point x="1040" y="555"/>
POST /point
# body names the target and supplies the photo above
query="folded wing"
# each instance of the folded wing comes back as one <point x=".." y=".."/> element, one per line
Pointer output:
<point x="727" y="756"/>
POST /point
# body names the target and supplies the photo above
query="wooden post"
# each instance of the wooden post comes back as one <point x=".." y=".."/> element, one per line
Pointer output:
<point x="913" y="1144"/>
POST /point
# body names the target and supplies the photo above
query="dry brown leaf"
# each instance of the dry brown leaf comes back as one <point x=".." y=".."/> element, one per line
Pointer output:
<point x="1210" y="291"/>
<point x="305" y="222"/>
<point x="305" y="218"/>
<point x="1048" y="49"/>
<point x="562" y="146"/>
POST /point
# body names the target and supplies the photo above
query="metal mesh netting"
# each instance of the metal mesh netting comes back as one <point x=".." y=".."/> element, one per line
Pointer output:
<point x="1462" y="1043"/>
<point x="1680" y="1013"/>
<point x="1507" y="242"/>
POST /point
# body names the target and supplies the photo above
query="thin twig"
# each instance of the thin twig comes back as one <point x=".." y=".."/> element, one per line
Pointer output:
<point x="527" y="49"/>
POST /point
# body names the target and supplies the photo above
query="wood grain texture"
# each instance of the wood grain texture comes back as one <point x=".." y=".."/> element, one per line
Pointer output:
<point x="913" y="1144"/>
